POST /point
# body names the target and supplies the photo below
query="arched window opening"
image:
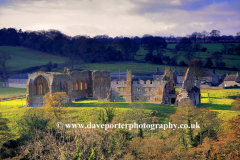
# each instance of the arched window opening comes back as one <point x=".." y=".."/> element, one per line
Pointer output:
<point x="58" y="88"/>
<point x="77" y="86"/>
<point x="41" y="86"/>
<point x="86" y="84"/>
<point x="81" y="85"/>
<point x="65" y="87"/>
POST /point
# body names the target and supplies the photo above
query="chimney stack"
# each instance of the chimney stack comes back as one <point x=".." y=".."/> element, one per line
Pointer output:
<point x="214" y="71"/>
<point x="157" y="69"/>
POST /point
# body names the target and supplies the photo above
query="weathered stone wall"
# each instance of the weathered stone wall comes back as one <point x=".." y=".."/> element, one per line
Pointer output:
<point x="38" y="84"/>
<point x="101" y="84"/>
<point x="189" y="92"/>
<point x="81" y="84"/>
<point x="141" y="91"/>
<point x="77" y="84"/>
<point x="230" y="83"/>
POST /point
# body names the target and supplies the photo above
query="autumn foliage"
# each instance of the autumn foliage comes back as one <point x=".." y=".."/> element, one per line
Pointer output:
<point x="236" y="104"/>
<point x="54" y="101"/>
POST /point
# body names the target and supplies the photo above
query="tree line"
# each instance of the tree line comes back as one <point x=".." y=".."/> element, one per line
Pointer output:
<point x="103" y="48"/>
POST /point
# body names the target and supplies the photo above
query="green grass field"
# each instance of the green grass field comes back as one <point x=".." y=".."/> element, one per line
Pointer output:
<point x="87" y="110"/>
<point x="22" y="58"/>
<point x="10" y="91"/>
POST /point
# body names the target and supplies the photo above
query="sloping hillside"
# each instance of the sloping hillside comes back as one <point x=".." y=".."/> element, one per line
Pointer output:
<point x="22" y="58"/>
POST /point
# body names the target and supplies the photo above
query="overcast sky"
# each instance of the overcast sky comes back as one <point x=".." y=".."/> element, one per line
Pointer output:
<point x="122" y="17"/>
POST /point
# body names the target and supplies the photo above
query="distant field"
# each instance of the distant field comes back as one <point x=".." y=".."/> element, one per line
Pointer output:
<point x="134" y="66"/>
<point x="123" y="66"/>
<point x="24" y="58"/>
<point x="10" y="91"/>
<point x="230" y="60"/>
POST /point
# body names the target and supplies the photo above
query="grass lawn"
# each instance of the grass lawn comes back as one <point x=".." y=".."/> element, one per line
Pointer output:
<point x="87" y="110"/>
<point x="22" y="58"/>
<point x="10" y="91"/>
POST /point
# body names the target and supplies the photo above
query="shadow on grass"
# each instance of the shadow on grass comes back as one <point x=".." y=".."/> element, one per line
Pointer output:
<point x="160" y="110"/>
<point x="215" y="106"/>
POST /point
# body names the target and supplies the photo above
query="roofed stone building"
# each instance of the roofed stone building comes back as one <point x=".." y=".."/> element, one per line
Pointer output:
<point x="77" y="84"/>
<point x="180" y="76"/>
<point x="210" y="77"/>
<point x="231" y="80"/>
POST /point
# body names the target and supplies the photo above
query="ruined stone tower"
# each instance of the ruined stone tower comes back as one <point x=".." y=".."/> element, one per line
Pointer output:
<point x="189" y="92"/>
<point x="129" y="86"/>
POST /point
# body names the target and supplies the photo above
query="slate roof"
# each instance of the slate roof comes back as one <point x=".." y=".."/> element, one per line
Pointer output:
<point x="231" y="78"/>
<point x="238" y="79"/>
<point x="160" y="72"/>
<point x="20" y="76"/>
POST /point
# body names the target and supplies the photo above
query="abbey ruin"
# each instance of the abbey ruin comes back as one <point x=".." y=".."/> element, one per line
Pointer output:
<point x="98" y="84"/>
<point x="77" y="84"/>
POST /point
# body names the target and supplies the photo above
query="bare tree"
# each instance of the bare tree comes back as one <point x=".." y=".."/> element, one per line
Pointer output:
<point x="215" y="35"/>
<point x="204" y="35"/>
<point x="194" y="36"/>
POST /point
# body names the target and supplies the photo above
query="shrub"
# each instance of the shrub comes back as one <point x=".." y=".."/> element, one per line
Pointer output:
<point x="204" y="49"/>
<point x="32" y="119"/>
<point x="182" y="63"/>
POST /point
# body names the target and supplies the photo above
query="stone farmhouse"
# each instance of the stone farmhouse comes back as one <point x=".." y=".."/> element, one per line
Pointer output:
<point x="98" y="84"/>
<point x="210" y="77"/>
<point x="231" y="80"/>
<point x="207" y="77"/>
<point x="180" y="76"/>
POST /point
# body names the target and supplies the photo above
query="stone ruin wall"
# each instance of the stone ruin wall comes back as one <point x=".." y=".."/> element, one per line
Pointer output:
<point x="101" y="81"/>
<point x="98" y="84"/>
<point x="77" y="84"/>
<point x="141" y="91"/>
<point x="81" y="84"/>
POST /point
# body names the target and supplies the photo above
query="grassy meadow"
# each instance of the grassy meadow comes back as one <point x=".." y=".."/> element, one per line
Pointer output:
<point x="11" y="91"/>
<point x="22" y="58"/>
<point x="87" y="110"/>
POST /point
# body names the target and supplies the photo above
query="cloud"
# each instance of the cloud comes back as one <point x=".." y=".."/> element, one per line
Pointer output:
<point x="122" y="17"/>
